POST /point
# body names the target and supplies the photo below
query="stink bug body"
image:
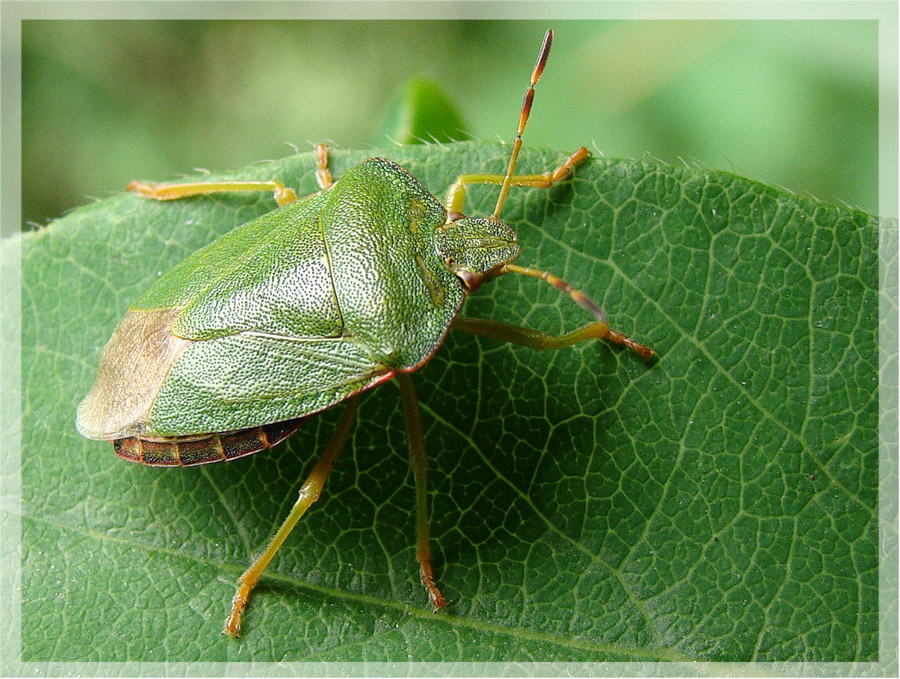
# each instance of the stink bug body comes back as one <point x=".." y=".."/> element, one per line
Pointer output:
<point x="305" y="307"/>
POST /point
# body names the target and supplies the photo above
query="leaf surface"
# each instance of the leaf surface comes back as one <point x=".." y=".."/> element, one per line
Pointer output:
<point x="718" y="505"/>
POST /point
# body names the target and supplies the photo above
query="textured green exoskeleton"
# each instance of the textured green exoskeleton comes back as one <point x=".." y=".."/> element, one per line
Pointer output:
<point x="305" y="307"/>
<point x="325" y="297"/>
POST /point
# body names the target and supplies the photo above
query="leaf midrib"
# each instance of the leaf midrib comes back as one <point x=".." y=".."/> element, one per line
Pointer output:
<point x="420" y="613"/>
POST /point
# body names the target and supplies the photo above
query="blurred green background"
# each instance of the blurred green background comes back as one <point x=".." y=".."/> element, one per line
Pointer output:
<point x="791" y="103"/>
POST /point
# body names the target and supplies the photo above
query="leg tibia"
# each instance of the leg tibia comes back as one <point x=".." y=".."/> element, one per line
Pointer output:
<point x="536" y="339"/>
<point x="527" y="337"/>
<point x="283" y="195"/>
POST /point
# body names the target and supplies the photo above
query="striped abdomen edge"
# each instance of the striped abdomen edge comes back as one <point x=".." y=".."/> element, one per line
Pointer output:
<point x="192" y="450"/>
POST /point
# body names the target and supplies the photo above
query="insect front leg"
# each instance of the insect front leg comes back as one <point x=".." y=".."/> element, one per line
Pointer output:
<point x="419" y="463"/>
<point x="283" y="194"/>
<point x="456" y="195"/>
<point x="540" y="340"/>
<point x="537" y="339"/>
<point x="309" y="493"/>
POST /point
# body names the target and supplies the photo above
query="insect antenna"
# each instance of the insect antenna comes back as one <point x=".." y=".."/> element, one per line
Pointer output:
<point x="523" y="120"/>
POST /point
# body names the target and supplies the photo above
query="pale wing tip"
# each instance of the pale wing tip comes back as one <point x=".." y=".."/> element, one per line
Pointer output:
<point x="87" y="423"/>
<point x="92" y="422"/>
<point x="133" y="368"/>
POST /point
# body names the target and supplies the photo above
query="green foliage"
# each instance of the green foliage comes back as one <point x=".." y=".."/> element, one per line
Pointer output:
<point x="719" y="505"/>
<point x="422" y="112"/>
<point x="792" y="103"/>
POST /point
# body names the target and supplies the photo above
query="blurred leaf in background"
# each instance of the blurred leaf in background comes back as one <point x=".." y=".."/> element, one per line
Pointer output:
<point x="423" y="113"/>
<point x="791" y="103"/>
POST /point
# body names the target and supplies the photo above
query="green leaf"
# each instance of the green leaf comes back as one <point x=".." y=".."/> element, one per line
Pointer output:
<point x="421" y="113"/>
<point x="718" y="505"/>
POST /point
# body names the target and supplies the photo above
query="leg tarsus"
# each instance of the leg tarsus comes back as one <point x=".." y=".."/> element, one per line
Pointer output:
<point x="645" y="352"/>
<point x="238" y="604"/>
<point x="426" y="575"/>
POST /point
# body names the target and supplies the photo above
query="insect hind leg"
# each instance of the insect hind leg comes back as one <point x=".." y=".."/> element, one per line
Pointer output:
<point x="308" y="494"/>
<point x="418" y="463"/>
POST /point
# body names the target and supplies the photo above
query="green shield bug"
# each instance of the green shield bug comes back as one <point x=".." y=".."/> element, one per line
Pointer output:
<point x="307" y="306"/>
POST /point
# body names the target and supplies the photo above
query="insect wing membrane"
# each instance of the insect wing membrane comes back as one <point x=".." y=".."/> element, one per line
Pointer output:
<point x="244" y="332"/>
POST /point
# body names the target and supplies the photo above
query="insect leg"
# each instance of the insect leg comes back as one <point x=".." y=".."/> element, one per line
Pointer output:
<point x="323" y="174"/>
<point x="456" y="195"/>
<point x="309" y="493"/>
<point x="283" y="194"/>
<point x="419" y="463"/>
<point x="535" y="339"/>
<point x="528" y="337"/>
